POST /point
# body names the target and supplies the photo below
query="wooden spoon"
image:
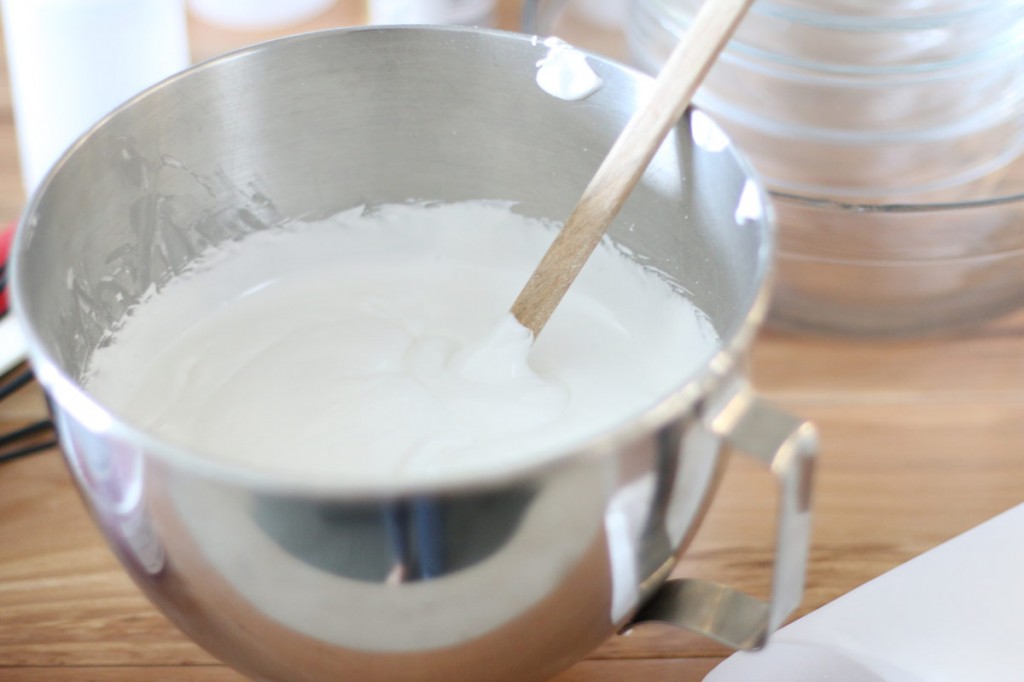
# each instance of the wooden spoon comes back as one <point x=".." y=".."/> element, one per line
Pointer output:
<point x="621" y="170"/>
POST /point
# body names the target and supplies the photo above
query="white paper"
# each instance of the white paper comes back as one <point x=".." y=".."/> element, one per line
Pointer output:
<point x="953" y="614"/>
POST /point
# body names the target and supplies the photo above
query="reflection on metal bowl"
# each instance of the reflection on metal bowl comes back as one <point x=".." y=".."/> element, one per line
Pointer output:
<point x="510" y="575"/>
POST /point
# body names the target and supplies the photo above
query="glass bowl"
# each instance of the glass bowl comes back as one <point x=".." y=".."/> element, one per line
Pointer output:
<point x="890" y="134"/>
<point x="897" y="269"/>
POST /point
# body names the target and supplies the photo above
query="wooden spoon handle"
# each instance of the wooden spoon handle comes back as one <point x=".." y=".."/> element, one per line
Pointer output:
<point x="622" y="169"/>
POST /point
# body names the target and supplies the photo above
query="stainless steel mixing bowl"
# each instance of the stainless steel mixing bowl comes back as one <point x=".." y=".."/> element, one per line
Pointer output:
<point x="510" y="576"/>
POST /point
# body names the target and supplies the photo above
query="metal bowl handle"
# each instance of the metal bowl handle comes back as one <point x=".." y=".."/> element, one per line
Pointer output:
<point x="788" y="446"/>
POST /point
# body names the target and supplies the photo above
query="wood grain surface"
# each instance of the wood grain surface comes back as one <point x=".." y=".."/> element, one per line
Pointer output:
<point x="922" y="440"/>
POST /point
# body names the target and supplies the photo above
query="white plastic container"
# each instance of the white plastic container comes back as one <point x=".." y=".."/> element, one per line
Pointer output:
<point x="249" y="15"/>
<point x="609" y="14"/>
<point x="72" y="61"/>
<point x="469" y="12"/>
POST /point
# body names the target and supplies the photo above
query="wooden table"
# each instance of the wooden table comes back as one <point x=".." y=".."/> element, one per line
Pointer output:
<point x="922" y="440"/>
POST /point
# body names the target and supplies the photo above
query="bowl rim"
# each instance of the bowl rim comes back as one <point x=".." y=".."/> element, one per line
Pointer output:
<point x="892" y="207"/>
<point x="686" y="400"/>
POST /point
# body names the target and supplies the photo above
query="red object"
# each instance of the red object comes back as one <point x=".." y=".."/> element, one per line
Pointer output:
<point x="6" y="235"/>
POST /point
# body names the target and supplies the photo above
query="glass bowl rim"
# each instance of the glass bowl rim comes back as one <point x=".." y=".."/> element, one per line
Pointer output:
<point x="825" y="203"/>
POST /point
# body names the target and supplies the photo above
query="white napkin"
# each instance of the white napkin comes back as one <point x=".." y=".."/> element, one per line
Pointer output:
<point x="953" y="614"/>
<point x="12" y="344"/>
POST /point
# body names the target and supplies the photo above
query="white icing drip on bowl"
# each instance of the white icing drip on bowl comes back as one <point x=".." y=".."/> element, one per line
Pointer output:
<point x="565" y="73"/>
